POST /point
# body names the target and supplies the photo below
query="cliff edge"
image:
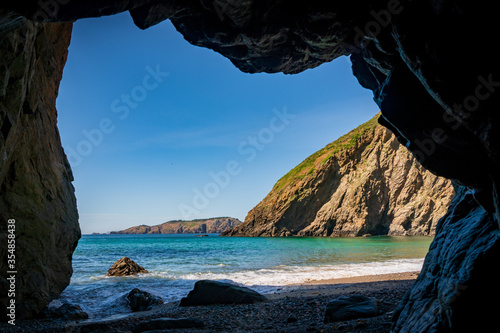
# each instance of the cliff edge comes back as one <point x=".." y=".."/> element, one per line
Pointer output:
<point x="363" y="183"/>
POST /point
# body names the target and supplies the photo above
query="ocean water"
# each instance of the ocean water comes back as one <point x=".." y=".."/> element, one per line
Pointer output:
<point x="176" y="262"/>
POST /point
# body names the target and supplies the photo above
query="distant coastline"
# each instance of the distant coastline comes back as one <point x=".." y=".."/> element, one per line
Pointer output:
<point x="214" y="225"/>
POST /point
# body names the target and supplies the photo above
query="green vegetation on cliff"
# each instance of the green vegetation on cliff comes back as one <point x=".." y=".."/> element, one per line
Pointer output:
<point x="365" y="182"/>
<point x="308" y="166"/>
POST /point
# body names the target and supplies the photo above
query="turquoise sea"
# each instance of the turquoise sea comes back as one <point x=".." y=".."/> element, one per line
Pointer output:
<point x="176" y="262"/>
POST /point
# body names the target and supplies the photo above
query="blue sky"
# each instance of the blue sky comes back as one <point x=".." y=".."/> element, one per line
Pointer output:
<point x="158" y="129"/>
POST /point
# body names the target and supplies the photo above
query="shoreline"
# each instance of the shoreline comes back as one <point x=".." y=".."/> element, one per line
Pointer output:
<point x="362" y="278"/>
<point x="339" y="286"/>
<point x="294" y="308"/>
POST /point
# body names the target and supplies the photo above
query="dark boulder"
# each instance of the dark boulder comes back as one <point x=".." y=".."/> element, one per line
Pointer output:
<point x="139" y="300"/>
<point x="69" y="312"/>
<point x="350" y="307"/>
<point x="207" y="292"/>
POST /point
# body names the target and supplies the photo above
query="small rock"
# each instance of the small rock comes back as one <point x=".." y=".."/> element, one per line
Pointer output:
<point x="168" y="323"/>
<point x="350" y="307"/>
<point x="69" y="312"/>
<point x="208" y="292"/>
<point x="139" y="300"/>
<point x="124" y="267"/>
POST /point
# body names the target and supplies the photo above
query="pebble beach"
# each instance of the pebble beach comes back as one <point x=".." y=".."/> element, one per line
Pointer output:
<point x="294" y="308"/>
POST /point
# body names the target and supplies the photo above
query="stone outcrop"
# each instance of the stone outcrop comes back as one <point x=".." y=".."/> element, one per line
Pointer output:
<point x="432" y="66"/>
<point x="363" y="183"/>
<point x="35" y="176"/>
<point x="124" y="267"/>
<point x="215" y="225"/>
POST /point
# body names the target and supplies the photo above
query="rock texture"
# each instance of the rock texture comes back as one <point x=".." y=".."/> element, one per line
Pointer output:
<point x="208" y="292"/>
<point x="432" y="66"/>
<point x="457" y="277"/>
<point x="363" y="183"/>
<point x="215" y="225"/>
<point x="35" y="176"/>
<point x="124" y="267"/>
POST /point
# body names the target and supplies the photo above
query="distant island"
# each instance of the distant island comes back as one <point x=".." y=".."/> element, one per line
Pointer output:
<point x="213" y="225"/>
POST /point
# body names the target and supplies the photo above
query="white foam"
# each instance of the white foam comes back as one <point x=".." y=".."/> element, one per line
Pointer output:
<point x="103" y="296"/>
<point x="285" y="275"/>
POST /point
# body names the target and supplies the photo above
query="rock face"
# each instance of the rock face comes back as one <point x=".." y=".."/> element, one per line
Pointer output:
<point x="457" y="273"/>
<point x="211" y="226"/>
<point x="363" y="183"/>
<point x="350" y="307"/>
<point x="208" y="292"/>
<point x="432" y="67"/>
<point x="35" y="176"/>
<point x="124" y="267"/>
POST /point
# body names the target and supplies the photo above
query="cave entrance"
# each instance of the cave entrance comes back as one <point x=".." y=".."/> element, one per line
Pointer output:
<point x="156" y="129"/>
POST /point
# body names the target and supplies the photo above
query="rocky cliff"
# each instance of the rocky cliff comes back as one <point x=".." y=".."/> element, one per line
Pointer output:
<point x="35" y="176"/>
<point x="363" y="183"/>
<point x="434" y="72"/>
<point x="215" y="225"/>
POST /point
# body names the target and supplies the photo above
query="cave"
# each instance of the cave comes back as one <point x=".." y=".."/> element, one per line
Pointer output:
<point x="432" y="67"/>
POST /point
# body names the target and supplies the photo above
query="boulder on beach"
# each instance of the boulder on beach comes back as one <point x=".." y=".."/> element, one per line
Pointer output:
<point x="350" y="307"/>
<point x="124" y="267"/>
<point x="69" y="311"/>
<point x="139" y="300"/>
<point x="208" y="292"/>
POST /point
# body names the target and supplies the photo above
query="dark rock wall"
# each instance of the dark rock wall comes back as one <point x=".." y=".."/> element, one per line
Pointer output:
<point x="432" y="65"/>
<point x="458" y="277"/>
<point x="35" y="177"/>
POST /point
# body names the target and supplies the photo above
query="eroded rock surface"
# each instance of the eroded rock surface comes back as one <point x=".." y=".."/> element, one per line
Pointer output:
<point x="457" y="276"/>
<point x="35" y="176"/>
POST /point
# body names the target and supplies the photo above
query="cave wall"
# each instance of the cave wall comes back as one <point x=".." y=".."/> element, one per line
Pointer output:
<point x="433" y="68"/>
<point x="457" y="279"/>
<point x="35" y="176"/>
